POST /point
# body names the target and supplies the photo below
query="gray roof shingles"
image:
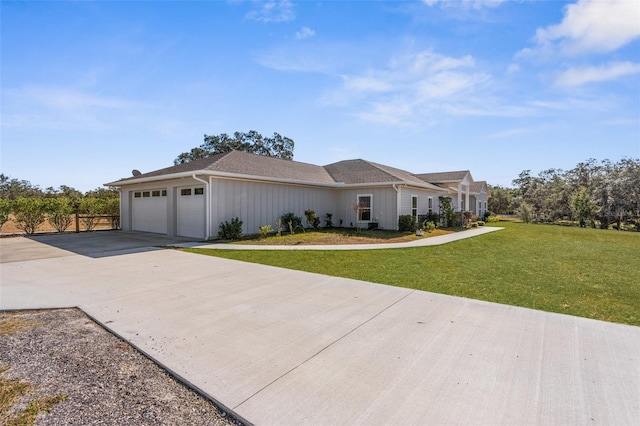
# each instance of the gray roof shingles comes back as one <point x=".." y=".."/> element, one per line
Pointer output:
<point x="243" y="163"/>
<point x="443" y="177"/>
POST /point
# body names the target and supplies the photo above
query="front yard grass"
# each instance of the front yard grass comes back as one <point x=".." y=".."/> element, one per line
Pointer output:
<point x="584" y="272"/>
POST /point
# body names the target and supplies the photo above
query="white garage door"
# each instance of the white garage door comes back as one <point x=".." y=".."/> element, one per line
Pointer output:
<point x="149" y="211"/>
<point x="191" y="212"/>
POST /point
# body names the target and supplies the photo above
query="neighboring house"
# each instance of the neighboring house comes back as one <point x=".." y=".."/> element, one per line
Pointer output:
<point x="192" y="199"/>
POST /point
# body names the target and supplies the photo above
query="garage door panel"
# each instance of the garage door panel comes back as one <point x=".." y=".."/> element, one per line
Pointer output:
<point x="149" y="214"/>
<point x="191" y="212"/>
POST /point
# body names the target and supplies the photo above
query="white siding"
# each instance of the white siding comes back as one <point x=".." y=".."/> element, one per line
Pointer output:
<point x="258" y="204"/>
<point x="383" y="206"/>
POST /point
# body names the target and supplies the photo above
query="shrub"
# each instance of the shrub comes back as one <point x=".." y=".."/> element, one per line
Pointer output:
<point x="312" y="218"/>
<point x="112" y="208"/>
<point x="264" y="231"/>
<point x="29" y="214"/>
<point x="407" y="223"/>
<point x="480" y="223"/>
<point x="59" y="211"/>
<point x="430" y="226"/>
<point x="493" y="219"/>
<point x="327" y="222"/>
<point x="487" y="215"/>
<point x="294" y="222"/>
<point x="231" y="231"/>
<point x="91" y="208"/>
<point x="525" y="213"/>
<point x="5" y="209"/>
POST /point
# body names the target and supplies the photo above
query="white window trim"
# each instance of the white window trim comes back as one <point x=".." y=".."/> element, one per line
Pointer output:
<point x="430" y="204"/>
<point x="358" y="215"/>
<point x="414" y="196"/>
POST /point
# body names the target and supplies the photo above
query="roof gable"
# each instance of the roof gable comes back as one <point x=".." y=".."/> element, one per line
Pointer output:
<point x="444" y="177"/>
<point x="244" y="163"/>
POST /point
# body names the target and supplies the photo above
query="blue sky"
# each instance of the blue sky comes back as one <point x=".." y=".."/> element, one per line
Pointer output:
<point x="92" y="90"/>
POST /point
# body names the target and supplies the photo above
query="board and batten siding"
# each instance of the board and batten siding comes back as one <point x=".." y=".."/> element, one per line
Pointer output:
<point x="260" y="203"/>
<point x="423" y="200"/>
<point x="384" y="204"/>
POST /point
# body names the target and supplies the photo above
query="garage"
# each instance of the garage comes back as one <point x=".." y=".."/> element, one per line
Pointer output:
<point x="191" y="212"/>
<point x="149" y="211"/>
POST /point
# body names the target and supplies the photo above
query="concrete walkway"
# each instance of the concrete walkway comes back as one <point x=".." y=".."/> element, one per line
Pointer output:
<point x="285" y="347"/>
<point x="423" y="242"/>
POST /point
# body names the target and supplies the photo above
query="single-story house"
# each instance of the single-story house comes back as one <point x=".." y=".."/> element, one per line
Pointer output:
<point x="193" y="198"/>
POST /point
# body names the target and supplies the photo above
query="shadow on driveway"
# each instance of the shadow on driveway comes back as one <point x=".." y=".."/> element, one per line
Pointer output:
<point x="91" y="244"/>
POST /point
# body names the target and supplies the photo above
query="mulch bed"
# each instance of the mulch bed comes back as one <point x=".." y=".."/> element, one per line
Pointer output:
<point x="93" y="376"/>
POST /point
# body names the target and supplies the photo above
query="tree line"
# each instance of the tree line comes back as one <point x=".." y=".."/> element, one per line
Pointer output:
<point x="29" y="206"/>
<point x="598" y="194"/>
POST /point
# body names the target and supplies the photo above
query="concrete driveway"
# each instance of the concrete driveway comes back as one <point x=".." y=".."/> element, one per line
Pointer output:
<point x="287" y="347"/>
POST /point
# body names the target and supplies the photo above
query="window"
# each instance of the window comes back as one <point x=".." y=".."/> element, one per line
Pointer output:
<point x="185" y="191"/>
<point x="364" y="208"/>
<point x="414" y="205"/>
<point x="430" y="204"/>
<point x="146" y="194"/>
<point x="462" y="205"/>
<point x="155" y="193"/>
<point x="164" y="192"/>
<point x="137" y="194"/>
<point x="198" y="191"/>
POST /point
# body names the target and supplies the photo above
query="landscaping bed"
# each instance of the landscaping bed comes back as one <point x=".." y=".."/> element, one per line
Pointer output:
<point x="58" y="367"/>
<point x="340" y="236"/>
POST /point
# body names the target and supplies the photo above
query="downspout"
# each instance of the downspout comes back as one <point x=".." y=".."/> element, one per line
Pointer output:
<point x="398" y="201"/>
<point x="207" y="207"/>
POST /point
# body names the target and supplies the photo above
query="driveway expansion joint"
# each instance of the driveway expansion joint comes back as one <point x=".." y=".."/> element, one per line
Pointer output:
<point x="325" y="348"/>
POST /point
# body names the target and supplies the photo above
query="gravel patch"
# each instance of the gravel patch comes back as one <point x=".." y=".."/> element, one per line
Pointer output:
<point x="101" y="378"/>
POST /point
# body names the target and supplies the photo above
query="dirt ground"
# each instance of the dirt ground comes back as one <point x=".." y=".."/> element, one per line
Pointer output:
<point x="58" y="367"/>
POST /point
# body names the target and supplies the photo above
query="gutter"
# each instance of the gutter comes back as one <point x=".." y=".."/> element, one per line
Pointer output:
<point x="207" y="209"/>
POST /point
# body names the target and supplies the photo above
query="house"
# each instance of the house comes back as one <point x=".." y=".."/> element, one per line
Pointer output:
<point x="466" y="194"/>
<point x="192" y="199"/>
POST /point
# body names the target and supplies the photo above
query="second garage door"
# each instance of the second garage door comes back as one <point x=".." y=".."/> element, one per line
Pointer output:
<point x="191" y="212"/>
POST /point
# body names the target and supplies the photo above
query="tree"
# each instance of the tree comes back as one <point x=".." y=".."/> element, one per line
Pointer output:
<point x="525" y="212"/>
<point x="5" y="209"/>
<point x="29" y="214"/>
<point x="583" y="207"/>
<point x="13" y="188"/>
<point x="91" y="208"/>
<point x="59" y="211"/>
<point x="252" y="141"/>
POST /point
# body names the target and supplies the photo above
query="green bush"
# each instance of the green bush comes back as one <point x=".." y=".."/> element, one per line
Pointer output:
<point x="91" y="208"/>
<point x="264" y="231"/>
<point x="407" y="223"/>
<point x="231" y="231"/>
<point x="292" y="221"/>
<point x="493" y="219"/>
<point x="327" y="222"/>
<point x="29" y="214"/>
<point x="429" y="226"/>
<point x="59" y="211"/>
<point x="312" y="218"/>
<point x="5" y="209"/>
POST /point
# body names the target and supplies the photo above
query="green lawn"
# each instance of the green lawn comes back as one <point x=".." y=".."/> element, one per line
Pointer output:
<point x="585" y="272"/>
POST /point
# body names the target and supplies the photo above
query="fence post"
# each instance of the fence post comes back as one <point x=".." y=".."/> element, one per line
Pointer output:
<point x="77" y="222"/>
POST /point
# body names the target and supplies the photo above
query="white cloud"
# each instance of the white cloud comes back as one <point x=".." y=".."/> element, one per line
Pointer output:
<point x="305" y="32"/>
<point x="589" y="26"/>
<point x="272" y="11"/>
<point x="466" y="4"/>
<point x="583" y="75"/>
<point x="411" y="89"/>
